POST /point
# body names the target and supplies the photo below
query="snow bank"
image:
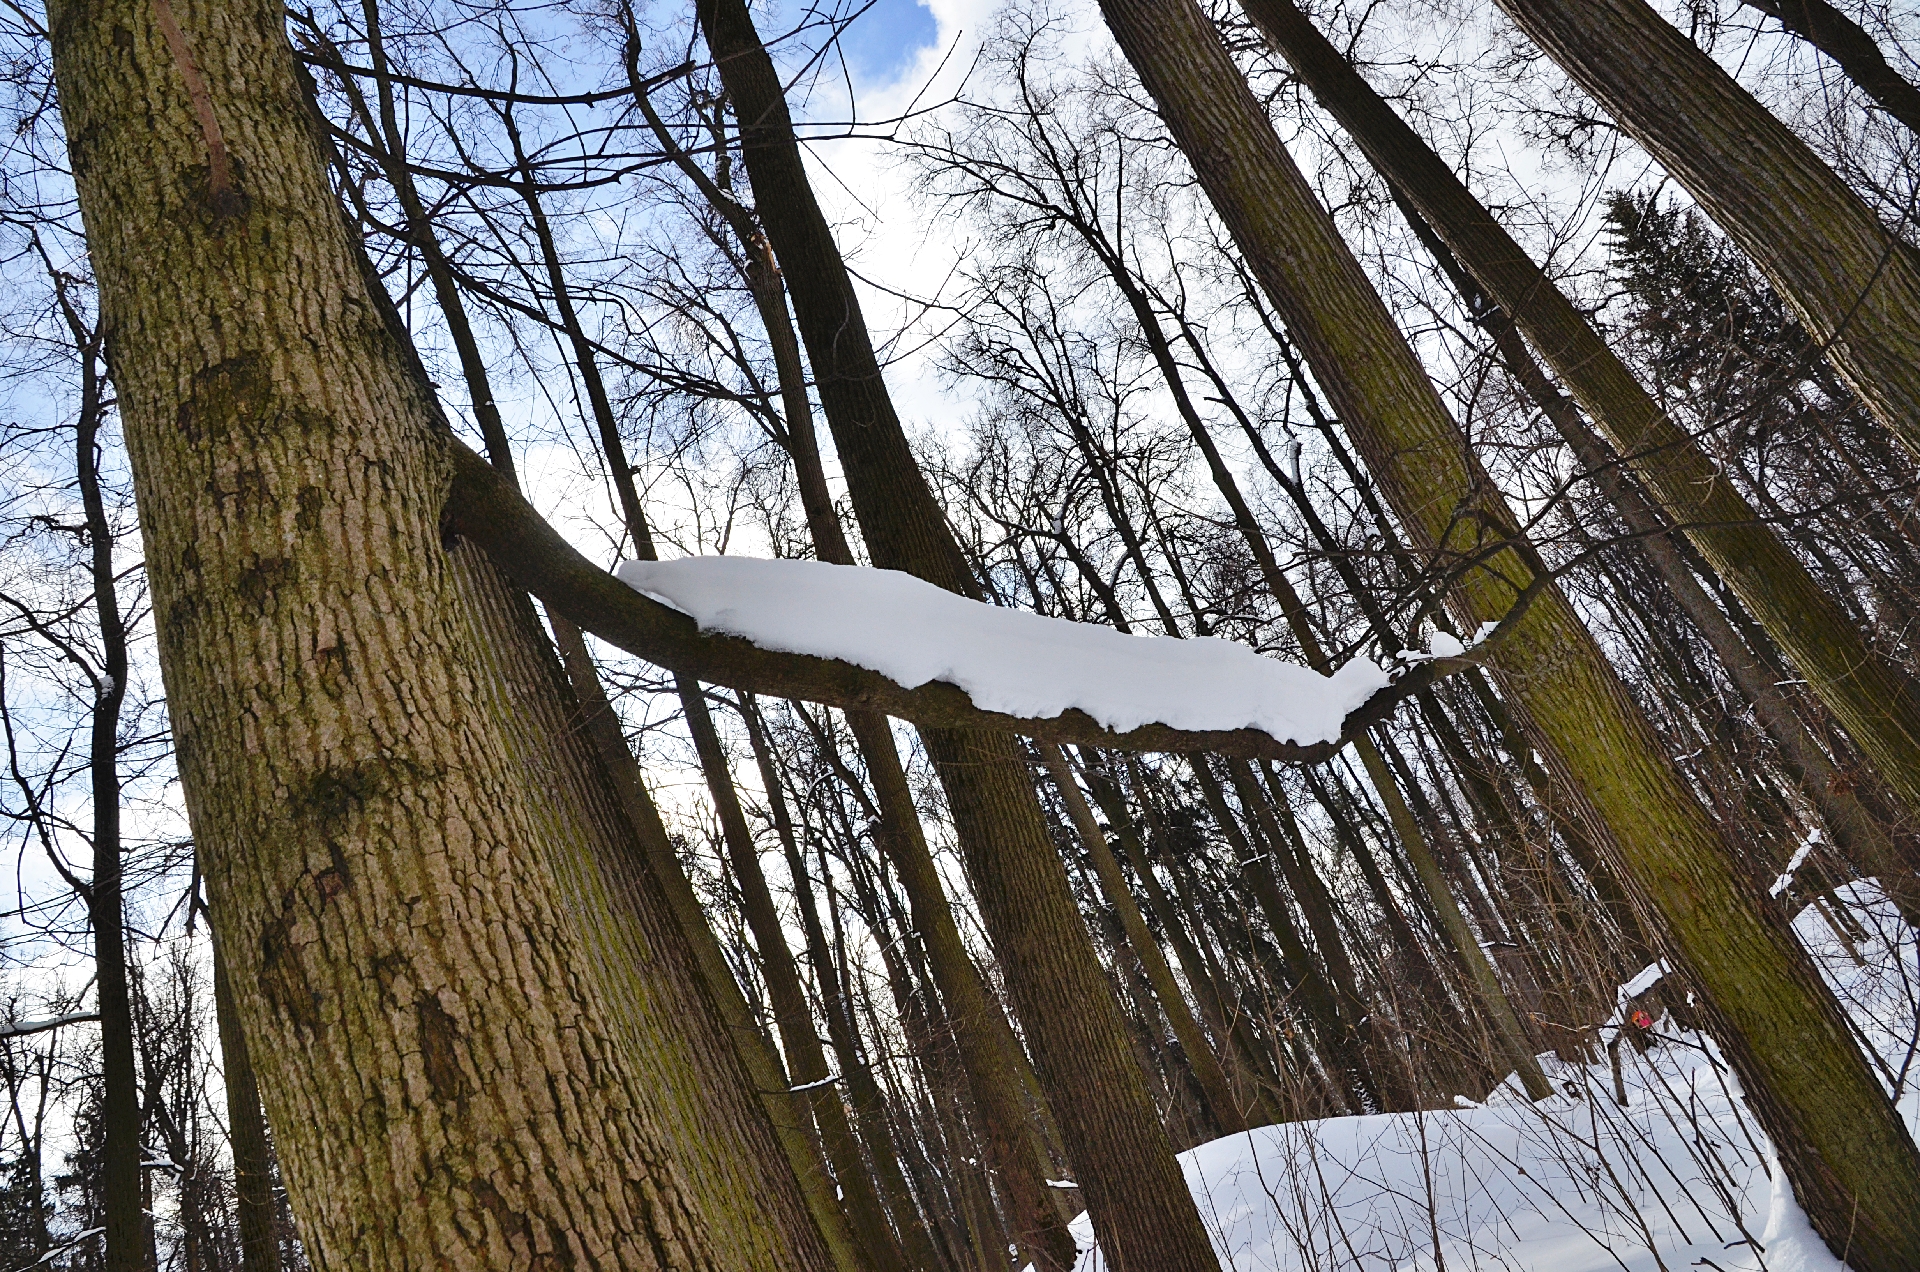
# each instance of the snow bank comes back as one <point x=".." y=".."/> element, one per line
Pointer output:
<point x="1006" y="660"/>
<point x="1679" y="1177"/>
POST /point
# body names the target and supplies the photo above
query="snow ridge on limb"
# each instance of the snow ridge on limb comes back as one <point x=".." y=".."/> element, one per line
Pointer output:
<point x="484" y="508"/>
<point x="1007" y="660"/>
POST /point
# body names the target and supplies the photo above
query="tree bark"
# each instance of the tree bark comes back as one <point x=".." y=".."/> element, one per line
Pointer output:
<point x="129" y="1246"/>
<point x="1228" y="1117"/>
<point x="1848" y="44"/>
<point x="340" y="689"/>
<point x="1850" y="1160"/>
<point x="1142" y="1212"/>
<point x="769" y="1079"/>
<point x="247" y="1132"/>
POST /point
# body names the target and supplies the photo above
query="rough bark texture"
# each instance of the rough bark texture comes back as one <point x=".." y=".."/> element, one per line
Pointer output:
<point x="463" y="1043"/>
<point x="1846" y="1152"/>
<point x="1853" y="285"/>
<point x="598" y="721"/>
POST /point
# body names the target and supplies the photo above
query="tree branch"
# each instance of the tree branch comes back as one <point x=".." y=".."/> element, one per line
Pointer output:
<point x="484" y="508"/>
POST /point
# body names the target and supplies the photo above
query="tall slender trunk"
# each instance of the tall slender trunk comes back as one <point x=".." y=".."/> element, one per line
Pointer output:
<point x="1142" y="1212"/>
<point x="246" y="1132"/>
<point x="1848" y="1155"/>
<point x="1222" y="1104"/>
<point x="1854" y="285"/>
<point x="1519" y="1054"/>
<point x="1849" y="45"/>
<point x="793" y="1016"/>
<point x="358" y="722"/>
<point x="856" y="1079"/>
<point x="1300" y="971"/>
<point x="1872" y="697"/>
<point x="990" y="1055"/>
<point x="128" y="1244"/>
<point x="1241" y="1062"/>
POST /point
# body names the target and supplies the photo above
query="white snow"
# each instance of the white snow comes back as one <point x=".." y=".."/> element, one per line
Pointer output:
<point x="1680" y="1177"/>
<point x="1006" y="660"/>
<point x="1643" y="980"/>
<point x="1800" y="855"/>
<point x="16" y="1028"/>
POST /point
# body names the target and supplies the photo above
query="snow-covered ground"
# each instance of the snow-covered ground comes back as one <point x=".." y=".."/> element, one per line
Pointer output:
<point x="1679" y="1177"/>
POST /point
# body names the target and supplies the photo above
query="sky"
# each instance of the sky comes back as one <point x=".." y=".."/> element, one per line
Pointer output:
<point x="886" y="40"/>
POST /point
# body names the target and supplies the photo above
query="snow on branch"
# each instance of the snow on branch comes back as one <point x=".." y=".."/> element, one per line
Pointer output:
<point x="20" y="1028"/>
<point x="958" y="664"/>
<point x="1005" y="660"/>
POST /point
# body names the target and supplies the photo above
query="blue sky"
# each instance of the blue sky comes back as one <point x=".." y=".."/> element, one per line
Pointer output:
<point x="881" y="43"/>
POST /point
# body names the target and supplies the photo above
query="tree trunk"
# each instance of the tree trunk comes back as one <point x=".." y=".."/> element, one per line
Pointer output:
<point x="1849" y="1157"/>
<point x="768" y="1078"/>
<point x="1868" y="694"/>
<point x="1143" y="1215"/>
<point x="793" y="1017"/>
<point x="247" y="1132"/>
<point x="350" y="744"/>
<point x="128" y="1243"/>
<point x="1228" y="1117"/>
<point x="1243" y="1065"/>
<point x="1854" y="286"/>
<point x="1844" y="40"/>
<point x="855" y="1078"/>
<point x="989" y="1054"/>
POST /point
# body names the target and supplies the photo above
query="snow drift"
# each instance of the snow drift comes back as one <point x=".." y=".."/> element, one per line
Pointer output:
<point x="1679" y="1177"/>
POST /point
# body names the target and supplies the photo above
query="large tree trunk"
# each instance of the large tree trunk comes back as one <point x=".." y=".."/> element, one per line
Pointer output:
<point x="447" y="1003"/>
<point x="600" y="724"/>
<point x="1870" y="696"/>
<point x="1854" y="286"/>
<point x="1845" y="1150"/>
